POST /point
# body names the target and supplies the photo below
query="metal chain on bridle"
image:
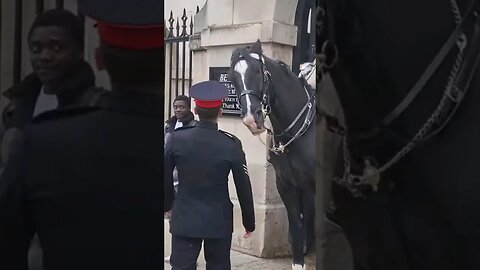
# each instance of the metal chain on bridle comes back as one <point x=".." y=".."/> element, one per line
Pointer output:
<point x="371" y="174"/>
<point x="309" y="107"/>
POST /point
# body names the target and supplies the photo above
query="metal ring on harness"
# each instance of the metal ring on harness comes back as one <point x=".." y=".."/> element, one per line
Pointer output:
<point x="323" y="51"/>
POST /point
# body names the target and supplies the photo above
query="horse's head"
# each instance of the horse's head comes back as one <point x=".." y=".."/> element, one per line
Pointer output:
<point x="250" y="78"/>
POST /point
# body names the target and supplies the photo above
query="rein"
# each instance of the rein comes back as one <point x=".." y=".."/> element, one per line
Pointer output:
<point x="267" y="86"/>
<point x="457" y="85"/>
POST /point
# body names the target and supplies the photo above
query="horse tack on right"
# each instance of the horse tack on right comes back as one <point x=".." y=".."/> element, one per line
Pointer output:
<point x="407" y="191"/>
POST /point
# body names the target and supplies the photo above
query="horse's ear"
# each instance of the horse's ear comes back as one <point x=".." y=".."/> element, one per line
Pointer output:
<point x="257" y="47"/>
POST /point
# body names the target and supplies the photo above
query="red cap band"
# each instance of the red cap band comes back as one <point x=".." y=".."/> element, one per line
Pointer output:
<point x="132" y="37"/>
<point x="208" y="104"/>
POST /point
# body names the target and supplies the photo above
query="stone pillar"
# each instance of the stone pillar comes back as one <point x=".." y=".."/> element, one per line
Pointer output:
<point x="220" y="27"/>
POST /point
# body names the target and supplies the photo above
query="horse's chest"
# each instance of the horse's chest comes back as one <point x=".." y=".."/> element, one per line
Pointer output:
<point x="288" y="165"/>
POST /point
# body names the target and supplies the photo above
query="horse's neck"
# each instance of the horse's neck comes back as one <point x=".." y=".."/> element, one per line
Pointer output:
<point x="290" y="98"/>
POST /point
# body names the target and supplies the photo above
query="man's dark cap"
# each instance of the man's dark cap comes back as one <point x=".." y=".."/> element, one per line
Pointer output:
<point x="209" y="94"/>
<point x="130" y="24"/>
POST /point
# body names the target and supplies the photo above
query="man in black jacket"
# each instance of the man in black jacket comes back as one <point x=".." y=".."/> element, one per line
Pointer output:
<point x="183" y="116"/>
<point x="201" y="209"/>
<point x="60" y="77"/>
<point x="88" y="180"/>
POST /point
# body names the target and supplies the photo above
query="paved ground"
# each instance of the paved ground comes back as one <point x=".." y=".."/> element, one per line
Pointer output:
<point x="242" y="261"/>
<point x="337" y="257"/>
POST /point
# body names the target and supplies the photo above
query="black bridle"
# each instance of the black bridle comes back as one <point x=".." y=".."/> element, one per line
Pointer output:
<point x="265" y="98"/>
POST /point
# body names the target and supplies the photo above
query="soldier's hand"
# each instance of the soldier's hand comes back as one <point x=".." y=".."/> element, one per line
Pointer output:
<point x="247" y="234"/>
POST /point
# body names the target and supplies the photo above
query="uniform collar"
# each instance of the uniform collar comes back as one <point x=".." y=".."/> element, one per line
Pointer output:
<point x="207" y="125"/>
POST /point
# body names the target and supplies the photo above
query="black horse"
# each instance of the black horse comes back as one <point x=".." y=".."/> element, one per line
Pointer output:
<point x="407" y="76"/>
<point x="268" y="87"/>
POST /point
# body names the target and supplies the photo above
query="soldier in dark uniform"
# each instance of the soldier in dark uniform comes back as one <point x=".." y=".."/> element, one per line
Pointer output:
<point x="88" y="180"/>
<point x="201" y="209"/>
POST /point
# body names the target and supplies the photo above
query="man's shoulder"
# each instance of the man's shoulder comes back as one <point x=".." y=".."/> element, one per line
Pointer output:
<point x="231" y="138"/>
<point x="194" y="122"/>
<point x="184" y="129"/>
<point x="60" y="115"/>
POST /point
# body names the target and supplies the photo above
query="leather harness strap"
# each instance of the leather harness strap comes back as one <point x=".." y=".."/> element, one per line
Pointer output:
<point x="439" y="58"/>
<point x="333" y="123"/>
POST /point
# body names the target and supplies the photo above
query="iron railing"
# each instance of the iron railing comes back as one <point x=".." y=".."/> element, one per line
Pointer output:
<point x="177" y="35"/>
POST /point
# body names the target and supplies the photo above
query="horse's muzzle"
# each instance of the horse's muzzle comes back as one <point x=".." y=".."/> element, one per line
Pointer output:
<point x="252" y="125"/>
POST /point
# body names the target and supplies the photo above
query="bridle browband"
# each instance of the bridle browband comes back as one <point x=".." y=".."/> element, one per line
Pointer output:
<point x="265" y="98"/>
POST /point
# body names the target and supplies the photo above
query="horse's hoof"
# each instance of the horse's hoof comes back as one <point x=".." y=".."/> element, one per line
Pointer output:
<point x="298" y="267"/>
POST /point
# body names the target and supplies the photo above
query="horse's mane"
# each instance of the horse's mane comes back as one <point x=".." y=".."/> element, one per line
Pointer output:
<point x="244" y="53"/>
<point x="238" y="54"/>
<point x="285" y="68"/>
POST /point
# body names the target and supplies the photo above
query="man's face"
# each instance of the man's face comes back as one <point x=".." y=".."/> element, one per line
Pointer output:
<point x="53" y="53"/>
<point x="181" y="109"/>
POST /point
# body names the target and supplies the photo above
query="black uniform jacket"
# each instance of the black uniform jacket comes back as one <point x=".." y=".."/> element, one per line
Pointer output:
<point x="204" y="157"/>
<point x="89" y="182"/>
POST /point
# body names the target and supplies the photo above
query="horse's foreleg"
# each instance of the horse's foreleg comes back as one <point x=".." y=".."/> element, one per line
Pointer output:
<point x="292" y="199"/>
<point x="309" y="221"/>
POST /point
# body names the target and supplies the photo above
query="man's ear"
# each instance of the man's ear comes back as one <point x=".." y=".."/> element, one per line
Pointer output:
<point x="99" y="60"/>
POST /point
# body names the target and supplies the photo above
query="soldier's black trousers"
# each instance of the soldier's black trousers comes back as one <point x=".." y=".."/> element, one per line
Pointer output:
<point x="185" y="253"/>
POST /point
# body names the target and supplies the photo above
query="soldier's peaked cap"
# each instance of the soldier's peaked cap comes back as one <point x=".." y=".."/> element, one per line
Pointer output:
<point x="209" y="94"/>
<point x="130" y="24"/>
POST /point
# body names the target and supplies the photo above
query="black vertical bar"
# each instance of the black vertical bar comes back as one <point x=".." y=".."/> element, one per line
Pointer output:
<point x="183" y="67"/>
<point x="191" y="54"/>
<point x="170" y="35"/>
<point x="177" y="58"/>
<point x="59" y="4"/>
<point x="190" y="71"/>
<point x="1" y="38"/>
<point x="39" y="6"/>
<point x="177" y="68"/>
<point x="17" y="49"/>
<point x="170" y="81"/>
<point x="185" y="38"/>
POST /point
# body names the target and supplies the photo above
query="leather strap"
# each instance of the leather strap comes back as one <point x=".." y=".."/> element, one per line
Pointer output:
<point x="461" y="84"/>
<point x="439" y="58"/>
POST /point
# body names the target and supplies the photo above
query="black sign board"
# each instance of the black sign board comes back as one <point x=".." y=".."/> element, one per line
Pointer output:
<point x="230" y="103"/>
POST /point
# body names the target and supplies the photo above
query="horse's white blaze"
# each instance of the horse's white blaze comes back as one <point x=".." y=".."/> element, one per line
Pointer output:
<point x="241" y="67"/>
<point x="298" y="267"/>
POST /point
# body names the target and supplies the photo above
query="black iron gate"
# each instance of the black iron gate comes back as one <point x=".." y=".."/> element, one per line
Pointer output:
<point x="176" y="38"/>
